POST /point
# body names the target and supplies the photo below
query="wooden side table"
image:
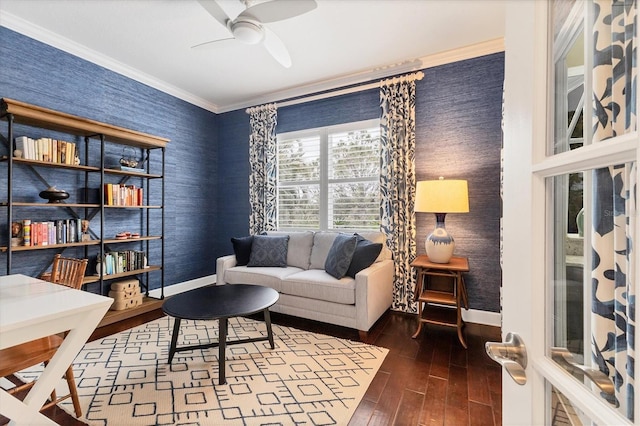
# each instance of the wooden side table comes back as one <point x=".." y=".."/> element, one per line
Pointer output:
<point x="440" y="299"/>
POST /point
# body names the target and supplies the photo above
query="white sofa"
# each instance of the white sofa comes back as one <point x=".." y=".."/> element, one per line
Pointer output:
<point x="310" y="292"/>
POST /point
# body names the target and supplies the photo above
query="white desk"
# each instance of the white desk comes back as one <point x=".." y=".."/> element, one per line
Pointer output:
<point x="31" y="308"/>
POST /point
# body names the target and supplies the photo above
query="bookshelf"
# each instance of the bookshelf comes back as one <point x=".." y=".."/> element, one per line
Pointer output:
<point x="95" y="142"/>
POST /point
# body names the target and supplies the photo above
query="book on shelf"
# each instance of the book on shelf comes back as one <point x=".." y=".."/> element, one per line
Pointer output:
<point x="118" y="262"/>
<point x="47" y="150"/>
<point x="26" y="232"/>
<point x="122" y="195"/>
<point x="44" y="233"/>
<point x="131" y="169"/>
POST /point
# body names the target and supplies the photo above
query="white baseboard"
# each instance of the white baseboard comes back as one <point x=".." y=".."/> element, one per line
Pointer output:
<point x="184" y="286"/>
<point x="472" y="315"/>
<point x="482" y="317"/>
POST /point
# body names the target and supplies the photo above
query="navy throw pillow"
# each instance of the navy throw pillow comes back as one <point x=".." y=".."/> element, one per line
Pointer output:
<point x="365" y="254"/>
<point x="242" y="249"/>
<point x="268" y="250"/>
<point x="340" y="254"/>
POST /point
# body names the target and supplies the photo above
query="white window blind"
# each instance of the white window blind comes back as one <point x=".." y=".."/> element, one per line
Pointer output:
<point x="328" y="178"/>
<point x="299" y="183"/>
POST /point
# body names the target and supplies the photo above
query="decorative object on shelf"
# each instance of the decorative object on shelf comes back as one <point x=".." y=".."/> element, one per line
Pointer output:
<point x="16" y="234"/>
<point x="84" y="227"/>
<point x="17" y="153"/>
<point x="441" y="197"/>
<point x="54" y="195"/>
<point x="98" y="266"/>
<point x="129" y="158"/>
<point x="126" y="235"/>
<point x="126" y="294"/>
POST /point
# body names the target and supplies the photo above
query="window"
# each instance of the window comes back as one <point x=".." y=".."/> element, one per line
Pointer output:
<point x="328" y="178"/>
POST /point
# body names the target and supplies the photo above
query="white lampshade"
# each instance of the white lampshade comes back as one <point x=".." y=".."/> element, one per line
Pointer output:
<point x="441" y="197"/>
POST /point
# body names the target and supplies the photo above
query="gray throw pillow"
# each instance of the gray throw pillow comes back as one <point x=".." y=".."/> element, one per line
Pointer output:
<point x="340" y="255"/>
<point x="269" y="251"/>
<point x="299" y="250"/>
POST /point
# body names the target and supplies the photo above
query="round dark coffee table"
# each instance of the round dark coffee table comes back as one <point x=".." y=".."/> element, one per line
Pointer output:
<point x="219" y="302"/>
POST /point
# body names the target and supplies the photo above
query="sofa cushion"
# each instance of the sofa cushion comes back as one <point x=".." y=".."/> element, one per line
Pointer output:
<point x="340" y="255"/>
<point x="269" y="251"/>
<point x="322" y="242"/>
<point x="317" y="284"/>
<point x="299" y="250"/>
<point x="316" y="309"/>
<point x="242" y="249"/>
<point x="264" y="276"/>
<point x="365" y="254"/>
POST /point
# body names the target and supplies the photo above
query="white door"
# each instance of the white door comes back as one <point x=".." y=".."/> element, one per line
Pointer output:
<point x="556" y="276"/>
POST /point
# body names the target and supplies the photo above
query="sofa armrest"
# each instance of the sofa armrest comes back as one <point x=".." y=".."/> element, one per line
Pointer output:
<point x="374" y="293"/>
<point x="222" y="264"/>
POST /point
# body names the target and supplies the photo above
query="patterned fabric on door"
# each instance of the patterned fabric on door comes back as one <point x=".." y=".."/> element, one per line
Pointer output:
<point x="398" y="184"/>
<point x="262" y="162"/>
<point x="613" y="211"/>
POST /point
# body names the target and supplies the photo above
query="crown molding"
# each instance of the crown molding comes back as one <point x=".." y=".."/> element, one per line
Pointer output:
<point x="28" y="29"/>
<point x="488" y="47"/>
<point x="38" y="33"/>
<point x="367" y="76"/>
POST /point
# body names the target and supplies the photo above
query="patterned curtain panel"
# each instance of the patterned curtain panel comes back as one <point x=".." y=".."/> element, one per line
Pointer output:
<point x="398" y="184"/>
<point x="262" y="161"/>
<point x="613" y="208"/>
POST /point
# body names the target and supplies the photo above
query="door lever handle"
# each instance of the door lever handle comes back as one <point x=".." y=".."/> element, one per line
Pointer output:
<point x="565" y="358"/>
<point x="511" y="354"/>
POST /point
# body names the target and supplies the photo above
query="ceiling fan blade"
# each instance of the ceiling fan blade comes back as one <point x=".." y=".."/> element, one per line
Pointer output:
<point x="276" y="48"/>
<point x="215" y="10"/>
<point x="278" y="10"/>
<point x="210" y="44"/>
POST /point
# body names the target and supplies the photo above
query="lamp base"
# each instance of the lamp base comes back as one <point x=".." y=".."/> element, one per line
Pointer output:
<point x="439" y="245"/>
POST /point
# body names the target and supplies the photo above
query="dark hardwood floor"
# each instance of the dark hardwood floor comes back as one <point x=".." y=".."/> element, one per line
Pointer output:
<point x="431" y="380"/>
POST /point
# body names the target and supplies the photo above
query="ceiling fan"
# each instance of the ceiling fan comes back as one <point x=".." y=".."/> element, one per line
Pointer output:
<point x="248" y="27"/>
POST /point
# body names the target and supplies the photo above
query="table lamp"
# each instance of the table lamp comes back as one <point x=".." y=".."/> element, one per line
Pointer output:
<point x="441" y="197"/>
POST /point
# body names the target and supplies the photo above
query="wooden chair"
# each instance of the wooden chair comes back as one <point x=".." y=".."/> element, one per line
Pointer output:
<point x="68" y="272"/>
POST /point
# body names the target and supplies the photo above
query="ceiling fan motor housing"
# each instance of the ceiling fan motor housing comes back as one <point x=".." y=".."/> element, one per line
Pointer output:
<point x="247" y="31"/>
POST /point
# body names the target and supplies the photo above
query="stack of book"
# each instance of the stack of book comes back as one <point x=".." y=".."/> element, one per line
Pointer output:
<point x="60" y="231"/>
<point x="117" y="262"/>
<point x="47" y="150"/>
<point x="122" y="195"/>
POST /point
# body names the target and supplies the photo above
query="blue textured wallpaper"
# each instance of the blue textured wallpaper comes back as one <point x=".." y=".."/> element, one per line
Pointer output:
<point x="36" y="73"/>
<point x="458" y="135"/>
<point x="458" y="110"/>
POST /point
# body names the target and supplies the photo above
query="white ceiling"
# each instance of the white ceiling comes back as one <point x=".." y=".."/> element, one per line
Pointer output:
<point x="339" y="43"/>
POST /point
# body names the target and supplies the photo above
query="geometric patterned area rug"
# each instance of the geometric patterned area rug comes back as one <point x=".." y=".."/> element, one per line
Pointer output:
<point x="308" y="379"/>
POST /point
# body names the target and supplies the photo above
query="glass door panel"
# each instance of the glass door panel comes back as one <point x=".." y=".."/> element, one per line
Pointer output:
<point x="592" y="284"/>
<point x="569" y="77"/>
<point x="564" y="413"/>
<point x="597" y="104"/>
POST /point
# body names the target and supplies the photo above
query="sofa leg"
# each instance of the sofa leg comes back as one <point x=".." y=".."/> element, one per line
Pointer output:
<point x="363" y="335"/>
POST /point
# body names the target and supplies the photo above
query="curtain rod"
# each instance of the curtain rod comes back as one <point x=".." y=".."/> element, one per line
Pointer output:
<point x="407" y="77"/>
